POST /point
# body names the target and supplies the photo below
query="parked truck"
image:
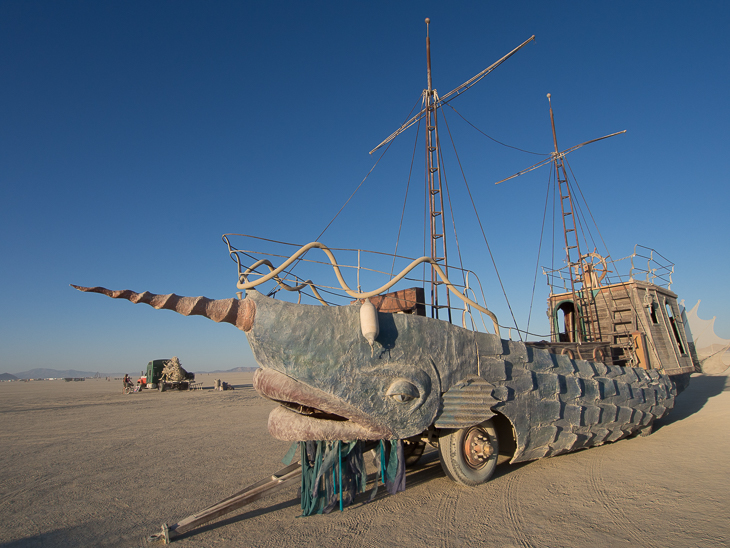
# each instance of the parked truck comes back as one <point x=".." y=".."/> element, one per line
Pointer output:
<point x="165" y="374"/>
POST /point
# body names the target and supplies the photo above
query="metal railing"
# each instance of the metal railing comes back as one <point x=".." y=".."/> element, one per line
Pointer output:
<point x="644" y="264"/>
<point x="658" y="270"/>
<point x="252" y="266"/>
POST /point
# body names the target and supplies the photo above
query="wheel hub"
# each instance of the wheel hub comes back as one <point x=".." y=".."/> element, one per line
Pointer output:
<point x="477" y="447"/>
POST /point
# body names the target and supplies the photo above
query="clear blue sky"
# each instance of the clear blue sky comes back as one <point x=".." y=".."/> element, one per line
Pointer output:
<point x="134" y="134"/>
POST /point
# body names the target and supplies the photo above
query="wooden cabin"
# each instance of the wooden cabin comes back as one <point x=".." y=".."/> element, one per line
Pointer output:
<point x="633" y="323"/>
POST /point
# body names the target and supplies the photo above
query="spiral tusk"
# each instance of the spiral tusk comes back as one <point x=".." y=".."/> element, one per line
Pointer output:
<point x="236" y="312"/>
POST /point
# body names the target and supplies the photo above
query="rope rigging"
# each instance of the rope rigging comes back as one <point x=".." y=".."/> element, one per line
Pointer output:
<point x="405" y="198"/>
<point x="436" y="181"/>
<point x="539" y="252"/>
<point x="481" y="227"/>
<point x="357" y="188"/>
<point x="496" y="140"/>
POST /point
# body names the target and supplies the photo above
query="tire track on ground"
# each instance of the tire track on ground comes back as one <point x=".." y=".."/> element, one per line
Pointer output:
<point x="351" y="527"/>
<point x="445" y="522"/>
<point x="621" y="519"/>
<point x="513" y="510"/>
<point x="32" y="484"/>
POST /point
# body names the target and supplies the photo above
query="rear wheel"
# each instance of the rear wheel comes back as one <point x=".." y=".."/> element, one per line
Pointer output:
<point x="469" y="455"/>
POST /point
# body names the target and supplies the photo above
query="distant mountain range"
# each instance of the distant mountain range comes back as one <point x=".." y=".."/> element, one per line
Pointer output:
<point x="234" y="370"/>
<point x="42" y="373"/>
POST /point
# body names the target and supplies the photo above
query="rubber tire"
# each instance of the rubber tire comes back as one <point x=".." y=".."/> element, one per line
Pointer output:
<point x="161" y="386"/>
<point x="454" y="463"/>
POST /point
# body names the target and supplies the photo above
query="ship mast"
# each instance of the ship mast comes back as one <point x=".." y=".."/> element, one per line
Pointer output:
<point x="582" y="314"/>
<point x="436" y="222"/>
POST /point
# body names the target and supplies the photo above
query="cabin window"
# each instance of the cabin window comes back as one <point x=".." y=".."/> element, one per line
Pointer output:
<point x="675" y="331"/>
<point x="565" y="318"/>
<point x="651" y="307"/>
<point x="652" y="313"/>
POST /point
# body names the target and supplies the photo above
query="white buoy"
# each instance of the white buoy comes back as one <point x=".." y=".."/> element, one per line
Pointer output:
<point x="369" y="323"/>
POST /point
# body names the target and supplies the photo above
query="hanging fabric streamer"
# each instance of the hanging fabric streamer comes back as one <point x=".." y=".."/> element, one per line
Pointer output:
<point x="395" y="470"/>
<point x="391" y="465"/>
<point x="334" y="471"/>
<point x="331" y="472"/>
<point x="311" y="459"/>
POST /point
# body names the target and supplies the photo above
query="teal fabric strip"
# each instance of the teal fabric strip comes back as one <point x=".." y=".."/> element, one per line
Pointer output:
<point x="335" y="472"/>
<point x="306" y="478"/>
<point x="312" y="498"/>
<point x="339" y="465"/>
<point x="290" y="454"/>
<point x="392" y="466"/>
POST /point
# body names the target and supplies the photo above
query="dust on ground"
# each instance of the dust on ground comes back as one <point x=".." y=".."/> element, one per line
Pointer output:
<point x="84" y="465"/>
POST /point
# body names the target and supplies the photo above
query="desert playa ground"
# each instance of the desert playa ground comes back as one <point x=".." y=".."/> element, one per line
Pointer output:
<point x="84" y="465"/>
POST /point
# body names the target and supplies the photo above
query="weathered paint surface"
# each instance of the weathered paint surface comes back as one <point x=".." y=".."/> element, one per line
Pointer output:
<point x="555" y="404"/>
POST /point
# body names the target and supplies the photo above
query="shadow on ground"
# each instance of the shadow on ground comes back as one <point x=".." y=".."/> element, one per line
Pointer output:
<point x="239" y="517"/>
<point x="72" y="537"/>
<point x="427" y="469"/>
<point x="60" y="537"/>
<point x="701" y="388"/>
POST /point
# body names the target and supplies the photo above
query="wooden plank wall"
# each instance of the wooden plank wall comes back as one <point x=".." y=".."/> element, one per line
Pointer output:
<point x="622" y="309"/>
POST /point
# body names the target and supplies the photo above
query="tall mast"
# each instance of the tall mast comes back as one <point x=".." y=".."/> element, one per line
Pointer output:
<point x="573" y="257"/>
<point x="437" y="223"/>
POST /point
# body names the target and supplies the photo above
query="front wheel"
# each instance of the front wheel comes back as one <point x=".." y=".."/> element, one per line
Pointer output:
<point x="469" y="455"/>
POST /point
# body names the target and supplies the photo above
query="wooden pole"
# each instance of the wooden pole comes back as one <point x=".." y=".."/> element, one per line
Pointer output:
<point x="283" y="477"/>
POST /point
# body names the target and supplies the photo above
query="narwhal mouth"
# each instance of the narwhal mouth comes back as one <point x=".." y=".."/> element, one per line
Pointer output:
<point x="308" y="413"/>
<point x="311" y="412"/>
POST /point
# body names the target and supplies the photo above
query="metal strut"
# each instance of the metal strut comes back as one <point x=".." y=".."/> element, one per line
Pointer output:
<point x="248" y="495"/>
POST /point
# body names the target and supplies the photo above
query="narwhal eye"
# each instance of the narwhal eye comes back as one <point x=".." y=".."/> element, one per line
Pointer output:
<point x="403" y="391"/>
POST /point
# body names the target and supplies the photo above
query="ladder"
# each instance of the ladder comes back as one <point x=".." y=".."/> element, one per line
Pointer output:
<point x="437" y="223"/>
<point x="622" y="318"/>
<point x="585" y="314"/>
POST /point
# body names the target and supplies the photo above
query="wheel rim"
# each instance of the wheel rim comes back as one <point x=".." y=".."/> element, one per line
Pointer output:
<point x="477" y="447"/>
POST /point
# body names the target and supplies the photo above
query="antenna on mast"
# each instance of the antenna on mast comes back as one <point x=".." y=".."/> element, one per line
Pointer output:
<point x="428" y="54"/>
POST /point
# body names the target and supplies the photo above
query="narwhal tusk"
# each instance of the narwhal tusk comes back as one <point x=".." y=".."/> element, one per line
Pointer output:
<point x="236" y="312"/>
